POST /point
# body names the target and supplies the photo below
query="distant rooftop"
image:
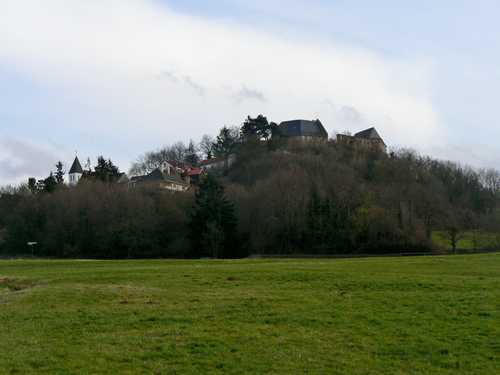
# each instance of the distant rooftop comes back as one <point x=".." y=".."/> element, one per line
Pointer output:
<point x="76" y="167"/>
<point x="303" y="128"/>
<point x="370" y="133"/>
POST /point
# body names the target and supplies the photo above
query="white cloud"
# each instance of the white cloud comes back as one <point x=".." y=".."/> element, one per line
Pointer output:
<point x="20" y="160"/>
<point x="111" y="53"/>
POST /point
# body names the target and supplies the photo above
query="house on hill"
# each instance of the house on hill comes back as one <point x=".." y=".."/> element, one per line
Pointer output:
<point x="75" y="172"/>
<point x="303" y="129"/>
<point x="192" y="175"/>
<point x="218" y="163"/>
<point x="166" y="178"/>
<point x="368" y="138"/>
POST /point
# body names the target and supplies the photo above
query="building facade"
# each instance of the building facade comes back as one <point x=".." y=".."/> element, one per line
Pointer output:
<point x="75" y="172"/>
<point x="303" y="129"/>
<point x="368" y="139"/>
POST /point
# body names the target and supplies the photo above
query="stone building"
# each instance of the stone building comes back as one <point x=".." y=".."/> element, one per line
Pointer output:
<point x="303" y="129"/>
<point x="368" y="138"/>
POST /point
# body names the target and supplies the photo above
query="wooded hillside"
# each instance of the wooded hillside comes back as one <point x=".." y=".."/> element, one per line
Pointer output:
<point x="278" y="197"/>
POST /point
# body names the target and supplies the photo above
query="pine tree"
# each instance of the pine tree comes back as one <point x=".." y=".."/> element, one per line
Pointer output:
<point x="213" y="223"/>
<point x="32" y="185"/>
<point x="227" y="142"/>
<point x="106" y="171"/>
<point x="258" y="128"/>
<point x="59" y="173"/>
<point x="50" y="183"/>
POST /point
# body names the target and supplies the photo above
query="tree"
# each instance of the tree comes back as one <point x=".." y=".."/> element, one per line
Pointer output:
<point x="32" y="185"/>
<point x="191" y="156"/>
<point x="256" y="128"/>
<point x="213" y="222"/>
<point x="207" y="146"/>
<point x="50" y="183"/>
<point x="227" y="141"/>
<point x="455" y="225"/>
<point x="88" y="165"/>
<point x="275" y="129"/>
<point x="59" y="173"/>
<point x="152" y="160"/>
<point x="106" y="171"/>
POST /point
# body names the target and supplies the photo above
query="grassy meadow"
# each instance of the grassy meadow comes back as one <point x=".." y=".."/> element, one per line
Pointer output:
<point x="423" y="315"/>
<point x="471" y="240"/>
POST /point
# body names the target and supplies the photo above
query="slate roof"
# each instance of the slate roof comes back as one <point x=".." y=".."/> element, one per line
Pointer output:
<point x="158" y="176"/>
<point x="369" y="134"/>
<point x="76" y="167"/>
<point x="303" y="128"/>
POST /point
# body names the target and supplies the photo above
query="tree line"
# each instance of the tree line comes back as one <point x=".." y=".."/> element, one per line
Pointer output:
<point x="278" y="197"/>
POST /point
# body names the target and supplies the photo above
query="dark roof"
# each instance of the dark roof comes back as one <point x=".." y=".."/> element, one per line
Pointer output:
<point x="157" y="176"/>
<point x="76" y="167"/>
<point x="303" y="128"/>
<point x="368" y="133"/>
<point x="211" y="161"/>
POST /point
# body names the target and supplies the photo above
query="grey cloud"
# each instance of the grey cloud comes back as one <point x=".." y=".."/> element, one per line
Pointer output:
<point x="199" y="89"/>
<point x="246" y="93"/>
<point x="169" y="76"/>
<point x="19" y="159"/>
<point x="183" y="79"/>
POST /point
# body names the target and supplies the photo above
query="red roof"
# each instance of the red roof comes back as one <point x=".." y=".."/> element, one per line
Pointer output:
<point x="194" y="171"/>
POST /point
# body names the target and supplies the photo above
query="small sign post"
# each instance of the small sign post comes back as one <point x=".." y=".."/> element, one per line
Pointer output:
<point x="32" y="246"/>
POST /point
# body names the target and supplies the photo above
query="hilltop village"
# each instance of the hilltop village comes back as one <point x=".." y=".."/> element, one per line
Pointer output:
<point x="179" y="175"/>
<point x="261" y="188"/>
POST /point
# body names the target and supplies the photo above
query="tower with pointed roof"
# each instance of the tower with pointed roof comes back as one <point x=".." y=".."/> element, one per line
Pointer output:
<point x="75" y="172"/>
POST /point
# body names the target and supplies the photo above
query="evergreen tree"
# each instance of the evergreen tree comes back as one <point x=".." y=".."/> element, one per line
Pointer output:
<point x="59" y="173"/>
<point x="32" y="185"/>
<point x="106" y="171"/>
<point x="226" y="144"/>
<point x="88" y="166"/>
<point x="50" y="183"/>
<point x="258" y="128"/>
<point x="213" y="223"/>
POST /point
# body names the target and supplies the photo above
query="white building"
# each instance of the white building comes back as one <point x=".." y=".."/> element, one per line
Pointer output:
<point x="75" y="172"/>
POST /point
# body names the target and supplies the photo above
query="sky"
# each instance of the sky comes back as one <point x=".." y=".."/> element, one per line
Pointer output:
<point x="121" y="77"/>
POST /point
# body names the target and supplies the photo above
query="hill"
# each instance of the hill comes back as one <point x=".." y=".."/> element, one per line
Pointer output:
<point x="281" y="196"/>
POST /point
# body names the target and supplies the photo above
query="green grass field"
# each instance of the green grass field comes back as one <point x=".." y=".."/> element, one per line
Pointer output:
<point x="426" y="315"/>
<point x="467" y="240"/>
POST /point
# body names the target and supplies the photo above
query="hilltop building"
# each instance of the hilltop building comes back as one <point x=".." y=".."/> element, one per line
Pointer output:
<point x="75" y="172"/>
<point x="303" y="129"/>
<point x="167" y="177"/>
<point x="368" y="138"/>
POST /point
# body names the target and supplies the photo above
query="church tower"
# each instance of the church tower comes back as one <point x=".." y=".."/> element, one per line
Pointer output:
<point x="75" y="173"/>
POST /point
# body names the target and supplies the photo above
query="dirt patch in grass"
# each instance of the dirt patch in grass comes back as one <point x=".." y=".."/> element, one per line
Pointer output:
<point x="15" y="285"/>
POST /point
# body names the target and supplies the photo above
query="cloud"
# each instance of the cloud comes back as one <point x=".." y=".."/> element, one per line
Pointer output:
<point x="103" y="53"/>
<point x="20" y="159"/>
<point x="185" y="80"/>
<point x="249" y="94"/>
<point x="199" y="89"/>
